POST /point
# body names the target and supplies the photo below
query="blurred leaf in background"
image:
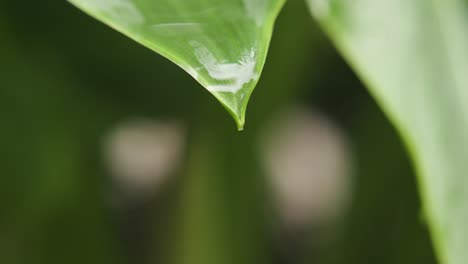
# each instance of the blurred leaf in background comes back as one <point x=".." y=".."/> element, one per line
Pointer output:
<point x="413" y="57"/>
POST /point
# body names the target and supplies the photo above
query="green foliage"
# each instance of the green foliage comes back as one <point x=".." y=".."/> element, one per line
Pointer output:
<point x="413" y="56"/>
<point x="222" y="44"/>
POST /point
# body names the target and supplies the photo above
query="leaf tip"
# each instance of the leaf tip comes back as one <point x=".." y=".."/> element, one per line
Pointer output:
<point x="236" y="105"/>
<point x="240" y="125"/>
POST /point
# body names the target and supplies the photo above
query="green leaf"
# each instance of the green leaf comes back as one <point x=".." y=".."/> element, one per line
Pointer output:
<point x="413" y="55"/>
<point x="222" y="44"/>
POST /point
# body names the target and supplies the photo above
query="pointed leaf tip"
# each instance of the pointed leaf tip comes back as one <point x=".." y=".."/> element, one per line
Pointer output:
<point x="223" y="45"/>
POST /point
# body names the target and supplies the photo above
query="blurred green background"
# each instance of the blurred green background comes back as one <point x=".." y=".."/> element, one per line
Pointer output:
<point x="85" y="109"/>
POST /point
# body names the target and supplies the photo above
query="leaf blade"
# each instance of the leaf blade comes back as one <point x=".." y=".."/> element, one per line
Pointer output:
<point x="223" y="45"/>
<point x="412" y="55"/>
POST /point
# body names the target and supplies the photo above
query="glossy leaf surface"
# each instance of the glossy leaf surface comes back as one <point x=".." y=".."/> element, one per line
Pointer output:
<point x="413" y="55"/>
<point x="222" y="44"/>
